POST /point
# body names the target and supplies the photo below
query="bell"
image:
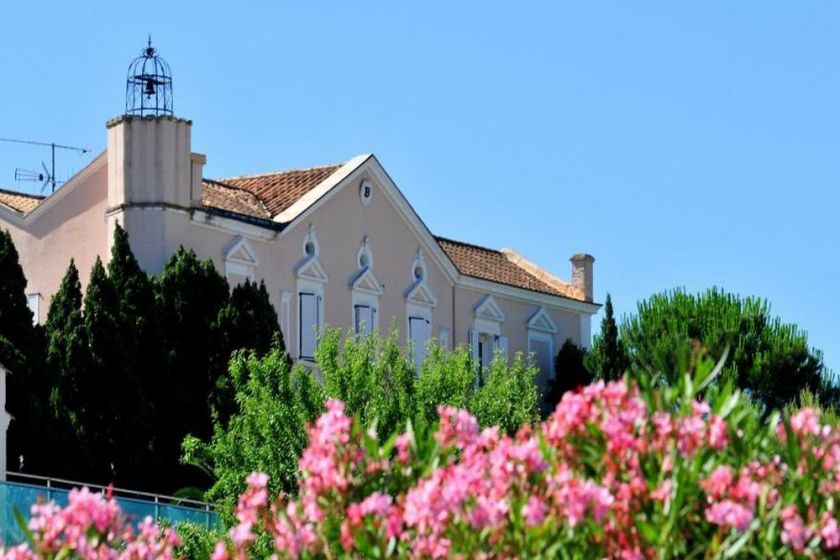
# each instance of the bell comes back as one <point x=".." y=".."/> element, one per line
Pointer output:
<point x="150" y="88"/>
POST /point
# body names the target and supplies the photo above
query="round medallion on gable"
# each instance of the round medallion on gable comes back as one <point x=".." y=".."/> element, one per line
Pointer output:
<point x="366" y="191"/>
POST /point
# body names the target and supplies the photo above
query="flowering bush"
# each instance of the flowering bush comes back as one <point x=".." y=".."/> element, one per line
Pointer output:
<point x="626" y="470"/>
<point x="620" y="470"/>
<point x="91" y="527"/>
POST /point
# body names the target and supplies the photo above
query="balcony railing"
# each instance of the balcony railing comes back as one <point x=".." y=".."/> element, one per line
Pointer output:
<point x="20" y="491"/>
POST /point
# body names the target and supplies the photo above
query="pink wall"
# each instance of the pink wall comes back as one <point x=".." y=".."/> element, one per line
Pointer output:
<point x="73" y="227"/>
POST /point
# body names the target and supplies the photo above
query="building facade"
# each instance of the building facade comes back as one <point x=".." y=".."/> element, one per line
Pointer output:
<point x="336" y="245"/>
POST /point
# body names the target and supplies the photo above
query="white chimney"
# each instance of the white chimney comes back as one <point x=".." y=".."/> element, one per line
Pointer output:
<point x="582" y="274"/>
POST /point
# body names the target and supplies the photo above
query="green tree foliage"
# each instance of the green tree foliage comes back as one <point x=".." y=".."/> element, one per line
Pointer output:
<point x="570" y="373"/>
<point x="267" y="434"/>
<point x="509" y="397"/>
<point x="445" y="378"/>
<point x="769" y="359"/>
<point x="21" y="352"/>
<point x="379" y="384"/>
<point x="136" y="375"/>
<point x="104" y="411"/>
<point x="68" y="364"/>
<point x="190" y="296"/>
<point x="247" y="321"/>
<point x="371" y="376"/>
<point x="608" y="359"/>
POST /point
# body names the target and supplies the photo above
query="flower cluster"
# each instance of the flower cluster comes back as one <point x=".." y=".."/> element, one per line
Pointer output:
<point x="618" y="471"/>
<point x="92" y="526"/>
<point x="612" y="473"/>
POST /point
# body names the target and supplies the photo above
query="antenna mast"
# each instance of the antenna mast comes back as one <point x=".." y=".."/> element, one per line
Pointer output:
<point x="48" y="177"/>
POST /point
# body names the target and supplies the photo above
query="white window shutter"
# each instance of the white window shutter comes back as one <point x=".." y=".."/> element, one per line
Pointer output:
<point x="309" y="312"/>
<point x="473" y="338"/>
<point x="443" y="338"/>
<point x="418" y="334"/>
<point x="503" y="346"/>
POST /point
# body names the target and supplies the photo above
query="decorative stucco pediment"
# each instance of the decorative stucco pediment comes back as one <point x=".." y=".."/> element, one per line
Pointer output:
<point x="489" y="309"/>
<point x="542" y="321"/>
<point x="240" y="258"/>
<point x="310" y="269"/>
<point x="420" y="294"/>
<point x="365" y="281"/>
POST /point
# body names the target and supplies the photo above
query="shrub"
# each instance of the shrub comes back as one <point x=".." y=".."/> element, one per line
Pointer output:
<point x="378" y="383"/>
<point x="91" y="526"/>
<point x="509" y="397"/>
<point x="619" y="471"/>
<point x="268" y="433"/>
<point x="570" y="373"/>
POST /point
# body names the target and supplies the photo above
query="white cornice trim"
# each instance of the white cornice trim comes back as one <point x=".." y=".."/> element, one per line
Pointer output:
<point x="348" y="173"/>
<point x="542" y="321"/>
<point x="528" y="296"/>
<point x="365" y="281"/>
<point x="489" y="309"/>
<point x="21" y="219"/>
<point x="397" y="198"/>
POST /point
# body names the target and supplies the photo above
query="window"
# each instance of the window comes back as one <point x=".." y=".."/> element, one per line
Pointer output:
<point x="34" y="303"/>
<point x="419" y="332"/>
<point x="364" y="318"/>
<point x="310" y="324"/>
<point x="541" y="350"/>
<point x="541" y="331"/>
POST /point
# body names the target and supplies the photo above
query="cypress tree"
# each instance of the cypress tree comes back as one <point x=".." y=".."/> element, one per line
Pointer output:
<point x="247" y="322"/>
<point x="570" y="373"/>
<point x="190" y="296"/>
<point x="608" y="359"/>
<point x="116" y="428"/>
<point x="21" y="352"/>
<point x="68" y="362"/>
<point x="140" y="367"/>
<point x="102" y="407"/>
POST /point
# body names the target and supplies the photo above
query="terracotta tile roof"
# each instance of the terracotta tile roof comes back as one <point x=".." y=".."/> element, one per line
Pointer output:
<point x="216" y="194"/>
<point x="497" y="266"/>
<point x="22" y="202"/>
<point x="277" y="191"/>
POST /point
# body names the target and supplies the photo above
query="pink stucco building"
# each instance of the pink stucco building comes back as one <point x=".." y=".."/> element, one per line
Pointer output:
<point x="336" y="245"/>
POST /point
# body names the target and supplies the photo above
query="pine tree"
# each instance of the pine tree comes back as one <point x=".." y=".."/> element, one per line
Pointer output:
<point x="68" y="362"/>
<point x="608" y="359"/>
<point x="767" y="358"/>
<point x="21" y="352"/>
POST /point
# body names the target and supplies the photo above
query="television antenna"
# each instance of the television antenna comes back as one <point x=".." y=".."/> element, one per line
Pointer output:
<point x="47" y="176"/>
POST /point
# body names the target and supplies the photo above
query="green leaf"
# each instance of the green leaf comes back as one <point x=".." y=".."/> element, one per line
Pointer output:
<point x="24" y="526"/>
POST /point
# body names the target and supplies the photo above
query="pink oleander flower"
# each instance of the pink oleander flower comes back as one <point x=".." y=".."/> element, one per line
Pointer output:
<point x="729" y="514"/>
<point x="794" y="531"/>
<point x="534" y="511"/>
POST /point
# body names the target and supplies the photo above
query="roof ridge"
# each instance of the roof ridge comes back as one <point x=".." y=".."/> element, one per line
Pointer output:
<point x="269" y="173"/>
<point x="467" y="244"/>
<point x="238" y="189"/>
<point x="537" y="271"/>
<point x="19" y="193"/>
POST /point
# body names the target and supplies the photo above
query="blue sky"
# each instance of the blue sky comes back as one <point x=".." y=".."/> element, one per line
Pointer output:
<point x="682" y="144"/>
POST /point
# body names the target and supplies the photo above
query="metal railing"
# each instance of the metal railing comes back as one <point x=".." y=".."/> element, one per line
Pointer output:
<point x="20" y="491"/>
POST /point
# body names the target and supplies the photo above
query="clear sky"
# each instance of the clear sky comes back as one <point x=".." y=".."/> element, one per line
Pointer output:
<point x="682" y="144"/>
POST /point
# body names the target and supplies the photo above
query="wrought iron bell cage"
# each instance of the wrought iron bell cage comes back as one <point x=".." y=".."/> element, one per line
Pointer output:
<point x="148" y="89"/>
